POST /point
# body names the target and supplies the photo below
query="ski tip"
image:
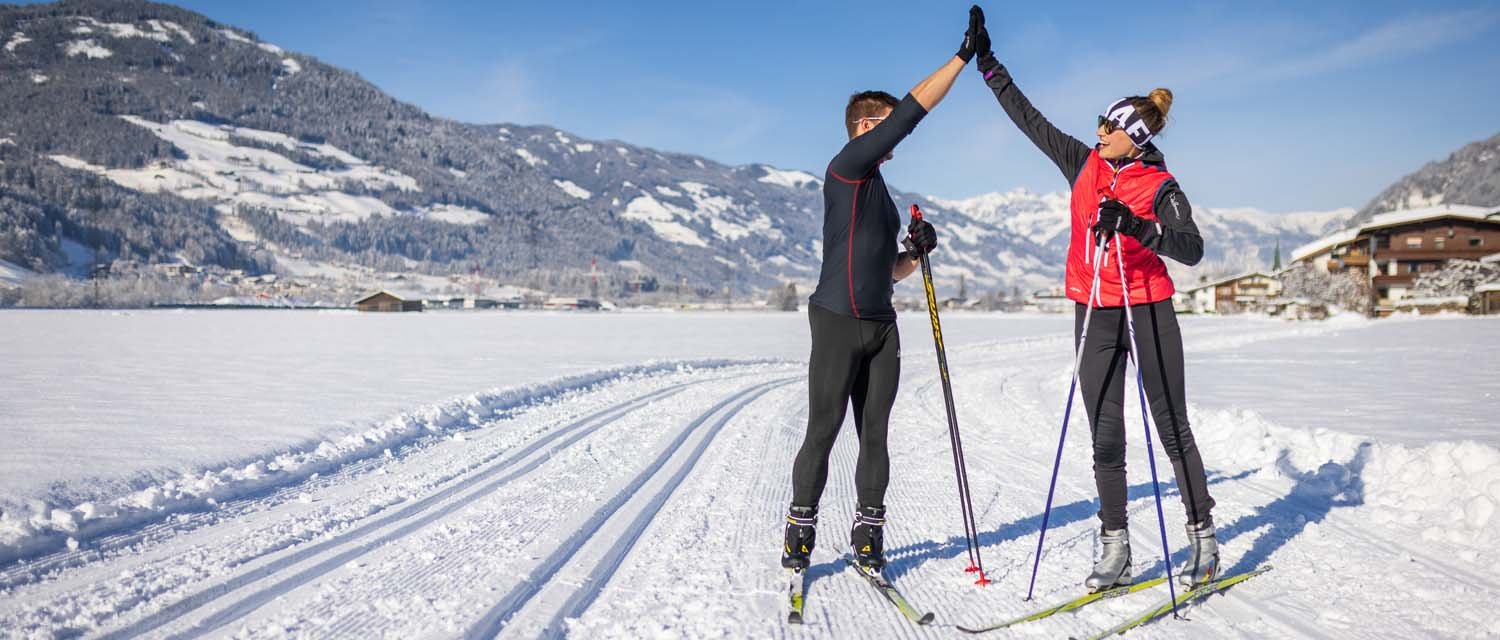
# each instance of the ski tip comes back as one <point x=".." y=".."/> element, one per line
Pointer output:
<point x="927" y="618"/>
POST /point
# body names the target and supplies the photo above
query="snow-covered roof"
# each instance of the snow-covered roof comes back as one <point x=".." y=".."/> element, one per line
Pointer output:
<point x="1215" y="283"/>
<point x="1486" y="288"/>
<point x="12" y="274"/>
<point x="398" y="293"/>
<point x="1391" y="219"/>
<point x="1429" y="302"/>
<point x="505" y="292"/>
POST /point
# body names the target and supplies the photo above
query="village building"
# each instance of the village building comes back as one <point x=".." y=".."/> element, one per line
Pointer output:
<point x="389" y="301"/>
<point x="574" y="304"/>
<point x="1049" y="301"/>
<point x="1487" y="299"/>
<point x="1245" y="292"/>
<point x="1393" y="249"/>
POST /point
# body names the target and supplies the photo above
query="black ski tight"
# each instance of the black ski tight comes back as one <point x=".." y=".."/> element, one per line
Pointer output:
<point x="1102" y="376"/>
<point x="857" y="360"/>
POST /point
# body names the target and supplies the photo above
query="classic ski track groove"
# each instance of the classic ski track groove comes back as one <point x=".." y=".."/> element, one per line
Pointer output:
<point x="432" y="577"/>
<point x="582" y="599"/>
<point x="409" y="516"/>
<point x="31" y="570"/>
<point x="494" y="620"/>
<point x="38" y="569"/>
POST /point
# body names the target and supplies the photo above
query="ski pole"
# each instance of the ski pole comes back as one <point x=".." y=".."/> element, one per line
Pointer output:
<point x="1161" y="519"/>
<point x="1067" y="412"/>
<point x="960" y="470"/>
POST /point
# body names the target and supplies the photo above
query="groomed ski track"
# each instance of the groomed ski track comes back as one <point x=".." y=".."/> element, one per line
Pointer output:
<point x="650" y="505"/>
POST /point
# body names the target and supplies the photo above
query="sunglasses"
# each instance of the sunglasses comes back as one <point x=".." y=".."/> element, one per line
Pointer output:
<point x="1109" y="125"/>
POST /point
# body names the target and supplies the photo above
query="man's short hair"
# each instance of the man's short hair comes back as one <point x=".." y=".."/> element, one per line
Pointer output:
<point x="866" y="104"/>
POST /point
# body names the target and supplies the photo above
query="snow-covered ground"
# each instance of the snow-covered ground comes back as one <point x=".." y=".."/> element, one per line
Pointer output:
<point x="215" y="168"/>
<point x="13" y="275"/>
<point x="265" y="474"/>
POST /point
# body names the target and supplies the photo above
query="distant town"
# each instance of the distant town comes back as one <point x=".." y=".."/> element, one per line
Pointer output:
<point x="1430" y="260"/>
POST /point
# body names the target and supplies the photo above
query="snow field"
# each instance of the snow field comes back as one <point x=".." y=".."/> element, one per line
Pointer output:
<point x="284" y="541"/>
<point x="650" y="503"/>
<point x="35" y="526"/>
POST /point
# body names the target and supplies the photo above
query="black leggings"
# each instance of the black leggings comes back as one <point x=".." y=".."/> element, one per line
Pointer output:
<point x="1102" y="375"/>
<point x="851" y="359"/>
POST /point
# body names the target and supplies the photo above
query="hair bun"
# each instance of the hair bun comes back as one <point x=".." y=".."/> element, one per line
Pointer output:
<point x="1162" y="98"/>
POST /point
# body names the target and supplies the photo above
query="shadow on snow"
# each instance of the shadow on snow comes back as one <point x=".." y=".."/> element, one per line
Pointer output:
<point x="1313" y="495"/>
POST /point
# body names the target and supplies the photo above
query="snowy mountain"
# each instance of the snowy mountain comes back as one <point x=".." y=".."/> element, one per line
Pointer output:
<point x="153" y="134"/>
<point x="156" y="135"/>
<point x="1470" y="176"/>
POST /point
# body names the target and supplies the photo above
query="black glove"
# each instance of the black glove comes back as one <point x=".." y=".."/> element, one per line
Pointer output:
<point x="1115" y="217"/>
<point x="921" y="238"/>
<point x="982" y="37"/>
<point x="971" y="42"/>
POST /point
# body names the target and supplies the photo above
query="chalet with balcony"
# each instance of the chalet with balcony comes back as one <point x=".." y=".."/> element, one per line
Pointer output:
<point x="1240" y="293"/>
<point x="1393" y="249"/>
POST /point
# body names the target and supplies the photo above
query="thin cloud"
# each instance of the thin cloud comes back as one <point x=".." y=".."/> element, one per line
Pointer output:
<point x="514" y="89"/>
<point x="1407" y="36"/>
<point x="509" y="93"/>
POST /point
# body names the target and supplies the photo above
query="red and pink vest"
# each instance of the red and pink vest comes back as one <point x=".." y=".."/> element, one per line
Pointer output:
<point x="1136" y="185"/>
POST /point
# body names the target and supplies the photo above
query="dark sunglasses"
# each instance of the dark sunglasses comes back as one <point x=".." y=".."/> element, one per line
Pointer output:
<point x="1109" y="125"/>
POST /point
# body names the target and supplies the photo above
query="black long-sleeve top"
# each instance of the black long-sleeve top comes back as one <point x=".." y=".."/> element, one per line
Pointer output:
<point x="860" y="221"/>
<point x="1175" y="235"/>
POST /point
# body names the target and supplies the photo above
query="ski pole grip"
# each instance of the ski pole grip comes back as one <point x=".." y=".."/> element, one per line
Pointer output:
<point x="911" y="247"/>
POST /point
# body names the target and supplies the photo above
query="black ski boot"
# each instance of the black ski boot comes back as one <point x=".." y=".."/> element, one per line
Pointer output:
<point x="801" y="532"/>
<point x="867" y="539"/>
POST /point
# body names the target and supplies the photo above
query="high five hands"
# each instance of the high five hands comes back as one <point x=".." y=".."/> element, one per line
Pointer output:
<point x="976" y="38"/>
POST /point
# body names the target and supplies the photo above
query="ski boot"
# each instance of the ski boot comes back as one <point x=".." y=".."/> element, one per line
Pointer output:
<point x="867" y="538"/>
<point x="801" y="532"/>
<point x="1113" y="568"/>
<point x="1202" y="565"/>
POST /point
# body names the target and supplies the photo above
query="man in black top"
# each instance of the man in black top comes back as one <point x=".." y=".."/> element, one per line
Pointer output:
<point x="855" y="345"/>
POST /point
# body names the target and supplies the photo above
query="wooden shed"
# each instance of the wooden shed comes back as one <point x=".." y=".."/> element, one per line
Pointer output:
<point x="387" y="301"/>
<point x="1487" y="299"/>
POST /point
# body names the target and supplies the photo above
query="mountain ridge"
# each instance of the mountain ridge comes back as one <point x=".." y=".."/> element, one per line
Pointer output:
<point x="155" y="134"/>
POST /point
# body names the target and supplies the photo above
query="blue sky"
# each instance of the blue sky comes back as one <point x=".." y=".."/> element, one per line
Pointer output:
<point x="1280" y="106"/>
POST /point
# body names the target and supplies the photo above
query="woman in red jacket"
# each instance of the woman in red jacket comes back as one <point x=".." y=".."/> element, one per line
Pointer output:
<point x="1123" y="192"/>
